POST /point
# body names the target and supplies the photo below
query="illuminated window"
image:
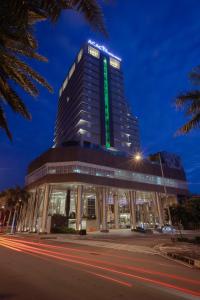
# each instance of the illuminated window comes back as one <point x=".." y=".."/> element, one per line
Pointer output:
<point x="114" y="63"/>
<point x="81" y="131"/>
<point x="83" y="122"/>
<point x="80" y="55"/>
<point x="93" y="51"/>
<point x="71" y="71"/>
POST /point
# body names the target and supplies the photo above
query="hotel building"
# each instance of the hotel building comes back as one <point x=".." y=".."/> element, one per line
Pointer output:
<point x="92" y="108"/>
<point x="89" y="179"/>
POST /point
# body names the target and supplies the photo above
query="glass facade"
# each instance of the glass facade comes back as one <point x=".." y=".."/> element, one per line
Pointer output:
<point x="96" y="170"/>
<point x="63" y="205"/>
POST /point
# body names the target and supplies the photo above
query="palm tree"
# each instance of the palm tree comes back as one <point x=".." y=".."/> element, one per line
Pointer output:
<point x="20" y="197"/>
<point x="2" y="208"/>
<point x="17" y="41"/>
<point x="15" y="199"/>
<point x="190" y="102"/>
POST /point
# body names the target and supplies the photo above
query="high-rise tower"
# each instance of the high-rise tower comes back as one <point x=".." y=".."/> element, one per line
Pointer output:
<point x="77" y="185"/>
<point x="92" y="108"/>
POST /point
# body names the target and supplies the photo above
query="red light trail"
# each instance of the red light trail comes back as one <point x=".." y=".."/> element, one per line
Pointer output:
<point x="100" y="265"/>
<point x="87" y="251"/>
<point x="138" y="269"/>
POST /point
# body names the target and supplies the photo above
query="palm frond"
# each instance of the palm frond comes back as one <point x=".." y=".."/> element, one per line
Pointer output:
<point x="17" y="40"/>
<point x="92" y="13"/>
<point x="11" y="97"/>
<point x="187" y="127"/>
<point x="3" y="123"/>
<point x="18" y="64"/>
<point x="193" y="108"/>
<point x="52" y="9"/>
<point x="186" y="98"/>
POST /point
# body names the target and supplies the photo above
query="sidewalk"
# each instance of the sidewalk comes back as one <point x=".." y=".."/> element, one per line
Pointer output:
<point x="106" y="244"/>
<point x="187" y="253"/>
<point x="101" y="240"/>
<point x="125" y="240"/>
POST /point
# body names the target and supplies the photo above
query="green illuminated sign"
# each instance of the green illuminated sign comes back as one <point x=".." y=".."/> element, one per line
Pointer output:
<point x="106" y="103"/>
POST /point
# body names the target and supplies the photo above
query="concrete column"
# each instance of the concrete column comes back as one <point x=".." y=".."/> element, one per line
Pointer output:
<point x="104" y="210"/>
<point x="45" y="209"/>
<point x="147" y="213"/>
<point x="141" y="215"/>
<point x="154" y="208"/>
<point x="132" y="197"/>
<point x="24" y="217"/>
<point x="30" y="211"/>
<point x="160" y="216"/>
<point x="79" y="208"/>
<point x="97" y="208"/>
<point x="116" y="210"/>
<point x="168" y="204"/>
<point x="67" y="205"/>
<point x="21" y="217"/>
<point x="35" y="210"/>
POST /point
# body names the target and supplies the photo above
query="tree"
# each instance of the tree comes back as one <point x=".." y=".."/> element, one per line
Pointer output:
<point x="193" y="208"/>
<point x="2" y="208"/>
<point x="20" y="197"/>
<point x="17" y="43"/>
<point x="187" y="214"/>
<point x="179" y="216"/>
<point x="190" y="102"/>
<point x="15" y="199"/>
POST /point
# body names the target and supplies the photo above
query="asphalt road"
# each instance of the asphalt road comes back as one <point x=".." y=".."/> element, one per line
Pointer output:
<point x="32" y="269"/>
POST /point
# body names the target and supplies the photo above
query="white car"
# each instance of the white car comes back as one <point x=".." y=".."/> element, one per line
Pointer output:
<point x="168" y="229"/>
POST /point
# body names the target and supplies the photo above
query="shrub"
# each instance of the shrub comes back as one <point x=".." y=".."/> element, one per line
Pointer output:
<point x="63" y="229"/>
<point x="183" y="239"/>
<point x="197" y="240"/>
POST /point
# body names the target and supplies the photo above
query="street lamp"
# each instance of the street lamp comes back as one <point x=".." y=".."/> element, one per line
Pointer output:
<point x="137" y="156"/>
<point x="165" y="189"/>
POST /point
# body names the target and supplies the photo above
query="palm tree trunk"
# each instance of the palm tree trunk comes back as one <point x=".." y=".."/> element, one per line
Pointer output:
<point x="4" y="219"/>
<point x="20" y="215"/>
<point x="9" y="217"/>
<point x="13" y="222"/>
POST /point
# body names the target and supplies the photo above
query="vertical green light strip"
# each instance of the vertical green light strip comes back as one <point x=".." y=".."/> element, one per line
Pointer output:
<point x="106" y="103"/>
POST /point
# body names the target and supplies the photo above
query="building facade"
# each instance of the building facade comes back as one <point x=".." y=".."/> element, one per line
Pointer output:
<point x="92" y="107"/>
<point x="96" y="190"/>
<point x="89" y="179"/>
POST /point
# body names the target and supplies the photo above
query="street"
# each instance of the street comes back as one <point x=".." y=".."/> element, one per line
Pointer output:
<point x="33" y="269"/>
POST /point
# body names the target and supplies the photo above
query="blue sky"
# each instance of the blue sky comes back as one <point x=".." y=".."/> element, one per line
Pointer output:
<point x="159" y="44"/>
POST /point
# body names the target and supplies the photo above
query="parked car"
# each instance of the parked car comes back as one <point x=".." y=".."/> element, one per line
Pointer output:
<point x="168" y="229"/>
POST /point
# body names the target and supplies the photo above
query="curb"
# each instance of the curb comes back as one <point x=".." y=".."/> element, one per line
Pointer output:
<point x="184" y="260"/>
<point x="188" y="260"/>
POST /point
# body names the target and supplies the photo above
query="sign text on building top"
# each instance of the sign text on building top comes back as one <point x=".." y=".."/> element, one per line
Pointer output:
<point x="103" y="48"/>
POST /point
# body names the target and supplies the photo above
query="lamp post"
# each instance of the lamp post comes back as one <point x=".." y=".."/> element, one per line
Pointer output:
<point x="138" y="157"/>
<point x="165" y="189"/>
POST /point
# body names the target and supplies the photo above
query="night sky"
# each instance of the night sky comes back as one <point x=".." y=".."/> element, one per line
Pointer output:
<point x="159" y="44"/>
